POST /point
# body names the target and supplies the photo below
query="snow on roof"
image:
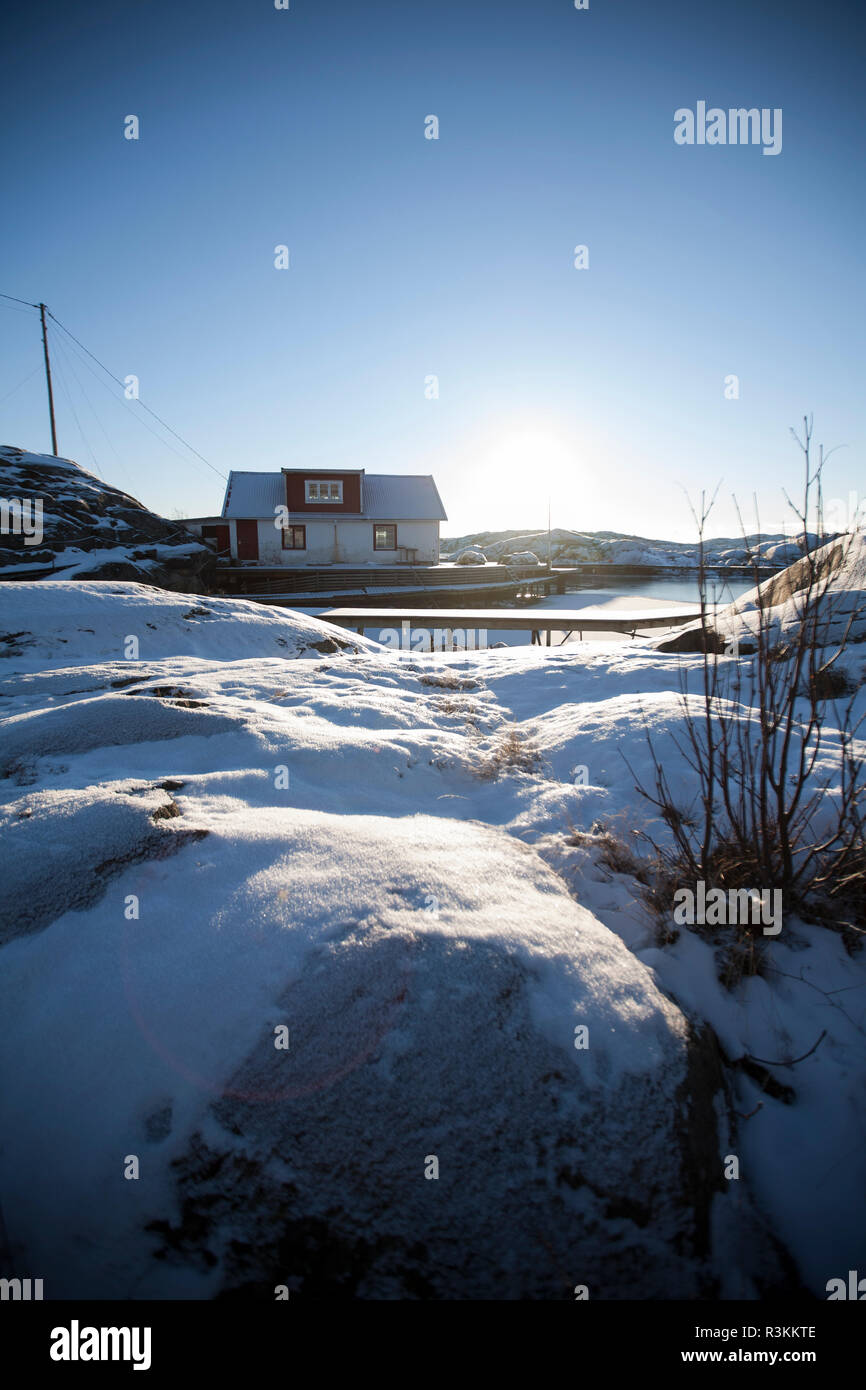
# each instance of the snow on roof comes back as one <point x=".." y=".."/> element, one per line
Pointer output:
<point x="402" y="497"/>
<point x="253" y="494"/>
<point x="386" y="496"/>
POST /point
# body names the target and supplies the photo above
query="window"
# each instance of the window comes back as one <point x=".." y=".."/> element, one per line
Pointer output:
<point x="294" y="537"/>
<point x="323" y="491"/>
<point x="385" y="537"/>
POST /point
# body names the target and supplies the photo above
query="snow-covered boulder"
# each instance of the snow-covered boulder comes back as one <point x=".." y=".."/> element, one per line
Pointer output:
<point x="354" y="1048"/>
<point x="840" y="567"/>
<point x="64" y="622"/>
<point x="471" y="555"/>
<point x="73" y="523"/>
<point x="780" y="553"/>
<point x="438" y="1123"/>
<point x="611" y="547"/>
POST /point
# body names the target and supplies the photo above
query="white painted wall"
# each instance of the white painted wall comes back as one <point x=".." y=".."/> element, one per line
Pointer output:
<point x="347" y="542"/>
<point x="341" y="542"/>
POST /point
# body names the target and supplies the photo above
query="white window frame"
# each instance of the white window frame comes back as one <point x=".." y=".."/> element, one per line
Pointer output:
<point x="318" y="484"/>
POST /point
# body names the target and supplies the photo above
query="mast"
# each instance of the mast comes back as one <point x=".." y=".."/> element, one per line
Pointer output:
<point x="41" y="308"/>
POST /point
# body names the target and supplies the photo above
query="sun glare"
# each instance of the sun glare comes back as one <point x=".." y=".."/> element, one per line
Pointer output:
<point x="533" y="458"/>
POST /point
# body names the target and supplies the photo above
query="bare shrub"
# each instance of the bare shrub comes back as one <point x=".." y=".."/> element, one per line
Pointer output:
<point x="763" y="812"/>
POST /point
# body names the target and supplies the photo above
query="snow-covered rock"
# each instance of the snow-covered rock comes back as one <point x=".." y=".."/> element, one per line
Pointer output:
<point x="56" y="622"/>
<point x="839" y="568"/>
<point x="612" y="548"/>
<point x="214" y="850"/>
<point x="87" y="527"/>
<point x="471" y="555"/>
<point x="202" y="853"/>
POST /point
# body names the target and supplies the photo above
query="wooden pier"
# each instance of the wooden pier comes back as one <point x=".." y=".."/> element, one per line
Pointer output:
<point x="593" y="618"/>
<point x="288" y="586"/>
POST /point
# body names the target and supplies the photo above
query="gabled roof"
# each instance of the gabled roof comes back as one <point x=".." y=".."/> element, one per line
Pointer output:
<point x="386" y="497"/>
<point x="402" y="497"/>
<point x="254" y="494"/>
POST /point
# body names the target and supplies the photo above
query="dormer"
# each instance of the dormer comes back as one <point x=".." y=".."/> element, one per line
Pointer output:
<point x="325" y="491"/>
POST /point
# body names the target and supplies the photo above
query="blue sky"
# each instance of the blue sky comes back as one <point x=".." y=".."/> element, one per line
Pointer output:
<point x="602" y="389"/>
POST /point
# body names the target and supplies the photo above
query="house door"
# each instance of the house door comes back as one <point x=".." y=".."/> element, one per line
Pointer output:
<point x="220" y="534"/>
<point x="248" y="540"/>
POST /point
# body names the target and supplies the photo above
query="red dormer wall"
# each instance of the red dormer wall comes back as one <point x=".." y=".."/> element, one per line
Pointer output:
<point x="296" y="492"/>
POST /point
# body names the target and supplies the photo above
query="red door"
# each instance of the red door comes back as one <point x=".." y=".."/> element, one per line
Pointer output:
<point x="248" y="540"/>
<point x="221" y="535"/>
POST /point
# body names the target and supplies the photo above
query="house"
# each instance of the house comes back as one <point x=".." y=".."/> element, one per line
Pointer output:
<point x="340" y="516"/>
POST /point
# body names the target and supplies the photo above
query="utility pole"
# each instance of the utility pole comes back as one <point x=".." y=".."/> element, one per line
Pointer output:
<point x="41" y="308"/>
<point x="548" y="533"/>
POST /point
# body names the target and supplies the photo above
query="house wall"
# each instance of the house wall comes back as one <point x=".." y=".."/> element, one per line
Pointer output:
<point x="345" y="542"/>
<point x="354" y="542"/>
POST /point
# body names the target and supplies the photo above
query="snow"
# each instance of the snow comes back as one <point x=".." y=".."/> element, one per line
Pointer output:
<point x="470" y="555"/>
<point x="87" y="526"/>
<point x="606" y="547"/>
<point x="839" y="586"/>
<point x="337" y="843"/>
<point x="77" y="623"/>
<point x="72" y="561"/>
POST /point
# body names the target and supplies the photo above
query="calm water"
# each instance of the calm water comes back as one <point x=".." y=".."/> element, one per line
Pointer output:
<point x="666" y="591"/>
<point x="682" y="590"/>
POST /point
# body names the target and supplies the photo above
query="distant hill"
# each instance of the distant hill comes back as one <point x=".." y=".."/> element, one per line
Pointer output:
<point x="88" y="528"/>
<point x="615" y="548"/>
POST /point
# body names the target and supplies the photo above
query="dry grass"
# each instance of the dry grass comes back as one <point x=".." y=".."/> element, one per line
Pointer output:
<point x="449" y="680"/>
<point x="740" y="959"/>
<point x="831" y="684"/>
<point x="740" y="948"/>
<point x="614" y="852"/>
<point x="511" y="751"/>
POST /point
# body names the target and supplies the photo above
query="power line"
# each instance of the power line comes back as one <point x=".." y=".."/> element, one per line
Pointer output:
<point x="68" y="353"/>
<point x="18" y="387"/>
<point x="139" y="420"/>
<point x="140" y="402"/>
<point x="12" y="309"/>
<point x="38" y="307"/>
<point x="19" y="301"/>
<point x="84" y="438"/>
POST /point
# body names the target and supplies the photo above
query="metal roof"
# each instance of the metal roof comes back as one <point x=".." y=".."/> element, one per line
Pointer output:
<point x="402" y="497"/>
<point x="254" y="494"/>
<point x="386" y="496"/>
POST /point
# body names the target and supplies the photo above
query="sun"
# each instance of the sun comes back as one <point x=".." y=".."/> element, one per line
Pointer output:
<point x="531" y="462"/>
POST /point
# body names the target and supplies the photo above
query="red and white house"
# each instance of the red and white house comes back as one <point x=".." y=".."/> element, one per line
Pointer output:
<point x="327" y="517"/>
